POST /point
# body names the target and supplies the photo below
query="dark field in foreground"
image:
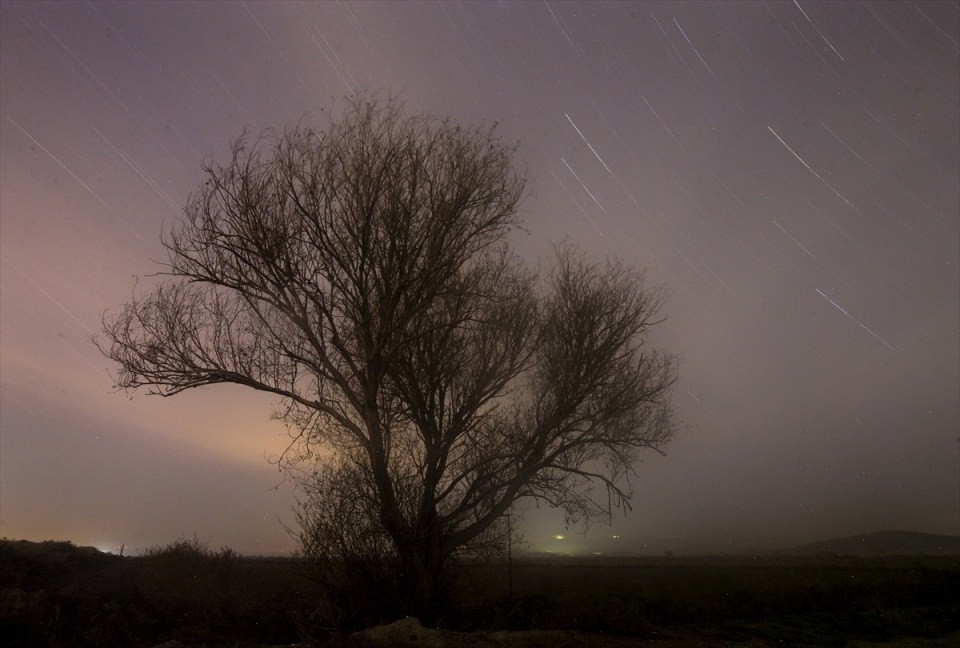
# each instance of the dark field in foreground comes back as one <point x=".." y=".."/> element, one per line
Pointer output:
<point x="55" y="594"/>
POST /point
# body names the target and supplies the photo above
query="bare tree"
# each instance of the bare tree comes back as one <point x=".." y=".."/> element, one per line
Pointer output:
<point x="361" y="273"/>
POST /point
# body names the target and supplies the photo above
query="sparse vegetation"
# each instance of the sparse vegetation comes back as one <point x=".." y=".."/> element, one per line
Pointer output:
<point x="187" y="580"/>
<point x="56" y="594"/>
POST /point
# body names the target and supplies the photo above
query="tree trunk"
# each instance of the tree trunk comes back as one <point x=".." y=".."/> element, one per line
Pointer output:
<point x="423" y="579"/>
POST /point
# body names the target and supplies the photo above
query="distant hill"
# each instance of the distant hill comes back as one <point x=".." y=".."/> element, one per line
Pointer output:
<point x="884" y="543"/>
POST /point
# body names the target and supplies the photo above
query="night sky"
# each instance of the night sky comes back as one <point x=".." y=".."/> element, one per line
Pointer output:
<point x="788" y="171"/>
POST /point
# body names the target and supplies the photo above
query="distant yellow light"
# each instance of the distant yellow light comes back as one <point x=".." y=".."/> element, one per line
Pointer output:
<point x="559" y="537"/>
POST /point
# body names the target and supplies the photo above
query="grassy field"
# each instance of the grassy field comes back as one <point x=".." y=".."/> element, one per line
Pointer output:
<point x="55" y="594"/>
<point x="813" y="600"/>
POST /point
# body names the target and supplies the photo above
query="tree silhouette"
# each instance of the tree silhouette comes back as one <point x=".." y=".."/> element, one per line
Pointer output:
<point x="361" y="273"/>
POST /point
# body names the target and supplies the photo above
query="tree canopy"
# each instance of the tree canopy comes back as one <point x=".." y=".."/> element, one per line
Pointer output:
<point x="362" y="273"/>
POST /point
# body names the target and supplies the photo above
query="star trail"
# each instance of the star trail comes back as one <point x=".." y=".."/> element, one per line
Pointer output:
<point x="786" y="171"/>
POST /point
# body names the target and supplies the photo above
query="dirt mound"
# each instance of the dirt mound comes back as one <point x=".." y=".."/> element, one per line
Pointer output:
<point x="409" y="633"/>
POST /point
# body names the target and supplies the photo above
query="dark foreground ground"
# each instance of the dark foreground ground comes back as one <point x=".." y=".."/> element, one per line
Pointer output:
<point x="55" y="594"/>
